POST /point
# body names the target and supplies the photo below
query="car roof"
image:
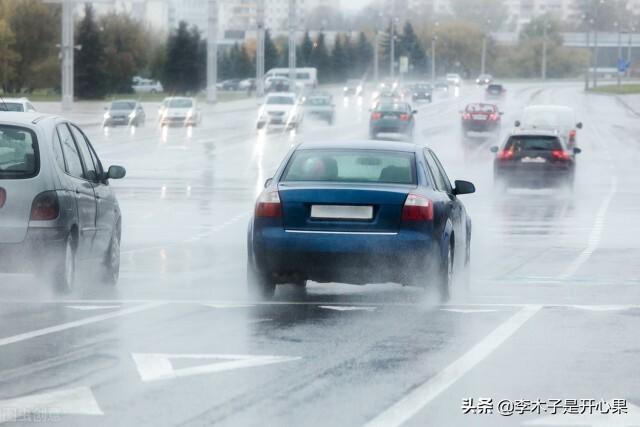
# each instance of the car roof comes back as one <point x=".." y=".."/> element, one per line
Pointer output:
<point x="360" y="145"/>
<point x="13" y="100"/>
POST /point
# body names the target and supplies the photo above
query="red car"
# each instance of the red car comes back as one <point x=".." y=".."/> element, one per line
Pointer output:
<point x="481" y="117"/>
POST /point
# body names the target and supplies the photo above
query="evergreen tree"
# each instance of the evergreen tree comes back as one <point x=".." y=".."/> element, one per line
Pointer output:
<point x="271" y="54"/>
<point x="304" y="52"/>
<point x="362" y="52"/>
<point x="90" y="76"/>
<point x="409" y="45"/>
<point x="340" y="60"/>
<point x="320" y="58"/>
<point x="185" y="59"/>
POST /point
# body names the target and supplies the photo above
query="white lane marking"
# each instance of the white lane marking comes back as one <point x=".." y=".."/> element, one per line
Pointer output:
<point x="92" y="307"/>
<point x="630" y="419"/>
<point x="594" y="237"/>
<point x="467" y="311"/>
<point x="76" y="323"/>
<point x="419" y="397"/>
<point x="347" y="308"/>
<point x="601" y="307"/>
<point x="79" y="400"/>
<point x="228" y="305"/>
<point x="156" y="366"/>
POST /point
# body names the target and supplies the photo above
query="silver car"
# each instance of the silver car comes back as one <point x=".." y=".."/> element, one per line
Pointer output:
<point x="57" y="208"/>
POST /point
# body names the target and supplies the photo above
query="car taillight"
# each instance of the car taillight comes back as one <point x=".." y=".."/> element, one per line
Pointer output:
<point x="493" y="117"/>
<point x="560" y="155"/>
<point x="376" y="116"/>
<point x="572" y="135"/>
<point x="505" y="155"/>
<point x="268" y="205"/>
<point x="417" y="208"/>
<point x="45" y="206"/>
<point x="466" y="116"/>
<point x="404" y="117"/>
<point x="3" y="197"/>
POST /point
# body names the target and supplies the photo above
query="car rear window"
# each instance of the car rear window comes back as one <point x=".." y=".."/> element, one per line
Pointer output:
<point x="18" y="152"/>
<point x="362" y="166"/>
<point x="392" y="107"/>
<point x="11" y="106"/>
<point x="481" y="108"/>
<point x="533" y="143"/>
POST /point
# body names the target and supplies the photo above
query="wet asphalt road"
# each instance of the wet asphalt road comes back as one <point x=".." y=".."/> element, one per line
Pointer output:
<point x="553" y="311"/>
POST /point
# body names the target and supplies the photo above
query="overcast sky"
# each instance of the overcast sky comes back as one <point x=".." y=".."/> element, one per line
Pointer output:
<point x="354" y="4"/>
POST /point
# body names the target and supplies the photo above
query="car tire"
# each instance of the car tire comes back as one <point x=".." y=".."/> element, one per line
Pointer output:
<point x="259" y="285"/>
<point x="445" y="276"/>
<point x="65" y="272"/>
<point x="111" y="262"/>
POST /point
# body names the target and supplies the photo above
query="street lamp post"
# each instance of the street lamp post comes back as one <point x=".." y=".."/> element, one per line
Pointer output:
<point x="376" y="49"/>
<point x="434" y="38"/>
<point x="292" y="40"/>
<point x="212" y="52"/>
<point x="260" y="48"/>
<point x="545" y="27"/>
<point x="483" y="60"/>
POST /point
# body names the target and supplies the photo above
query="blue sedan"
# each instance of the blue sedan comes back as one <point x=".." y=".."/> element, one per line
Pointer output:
<point x="358" y="212"/>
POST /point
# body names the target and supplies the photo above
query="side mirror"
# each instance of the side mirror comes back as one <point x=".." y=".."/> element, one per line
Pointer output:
<point x="414" y="112"/>
<point x="268" y="182"/>
<point x="463" y="187"/>
<point x="577" y="150"/>
<point x="494" y="149"/>
<point x="579" y="125"/>
<point x="517" y="123"/>
<point x="116" y="172"/>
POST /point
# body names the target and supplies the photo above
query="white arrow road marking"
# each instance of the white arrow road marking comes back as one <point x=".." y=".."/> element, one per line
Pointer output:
<point x="155" y="366"/>
<point x="466" y="311"/>
<point x="229" y="305"/>
<point x="92" y="307"/>
<point x="347" y="308"/>
<point x="72" y="401"/>
<point x="420" y="396"/>
<point x="600" y="307"/>
<point x="630" y="419"/>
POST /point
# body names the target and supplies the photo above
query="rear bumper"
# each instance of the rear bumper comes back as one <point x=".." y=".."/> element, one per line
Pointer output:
<point x="479" y="126"/>
<point x="41" y="245"/>
<point x="534" y="178"/>
<point x="390" y="128"/>
<point x="357" y="258"/>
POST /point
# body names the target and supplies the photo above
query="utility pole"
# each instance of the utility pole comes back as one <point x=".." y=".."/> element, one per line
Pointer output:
<point x="595" y="44"/>
<point x="212" y="52"/>
<point x="260" y="34"/>
<point x="292" y="40"/>
<point x="392" y="50"/>
<point x="484" y="49"/>
<point x="544" y="49"/>
<point x="376" y="47"/>
<point x="590" y="59"/>
<point x="620" y="59"/>
<point x="628" y="72"/>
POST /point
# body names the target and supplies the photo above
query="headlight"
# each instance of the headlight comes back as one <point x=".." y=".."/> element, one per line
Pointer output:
<point x="132" y="115"/>
<point x="107" y="115"/>
<point x="416" y="94"/>
<point x="346" y="88"/>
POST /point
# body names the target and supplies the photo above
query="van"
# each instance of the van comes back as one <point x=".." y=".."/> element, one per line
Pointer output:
<point x="307" y="77"/>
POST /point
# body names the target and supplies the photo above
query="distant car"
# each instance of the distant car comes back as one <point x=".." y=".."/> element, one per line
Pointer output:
<point x="353" y="87"/>
<point x="454" y="79"/>
<point x="389" y="117"/>
<point x="441" y="85"/>
<point x="534" y="159"/>
<point x="320" y="104"/>
<point x="229" y="85"/>
<point x="494" y="91"/>
<point x="358" y="213"/>
<point x="142" y="85"/>
<point x="280" y="85"/>
<point x="420" y="92"/>
<point x="16" y="105"/>
<point x="280" y="110"/>
<point x="124" y="112"/>
<point x="179" y="111"/>
<point x="552" y="117"/>
<point x="247" y="84"/>
<point x="56" y="205"/>
<point x="484" y="79"/>
<point x="479" y="117"/>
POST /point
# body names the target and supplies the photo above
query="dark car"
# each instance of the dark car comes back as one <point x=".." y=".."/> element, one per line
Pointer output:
<point x="480" y="117"/>
<point x="534" y="159"/>
<point x="320" y="105"/>
<point x="420" y="92"/>
<point x="353" y="87"/>
<point x="57" y="207"/>
<point x="392" y="117"/>
<point x="124" y="112"/>
<point x="494" y="90"/>
<point x="279" y="84"/>
<point x="229" y="85"/>
<point x="358" y="213"/>
<point x="484" y="79"/>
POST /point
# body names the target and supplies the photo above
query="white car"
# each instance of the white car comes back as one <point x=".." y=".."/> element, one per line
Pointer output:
<point x="16" y="104"/>
<point x="558" y="118"/>
<point x="141" y="85"/>
<point x="179" y="111"/>
<point x="454" y="79"/>
<point x="280" y="109"/>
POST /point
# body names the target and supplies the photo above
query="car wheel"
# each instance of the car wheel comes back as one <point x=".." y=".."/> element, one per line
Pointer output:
<point x="111" y="261"/>
<point x="445" y="276"/>
<point x="64" y="274"/>
<point x="259" y="285"/>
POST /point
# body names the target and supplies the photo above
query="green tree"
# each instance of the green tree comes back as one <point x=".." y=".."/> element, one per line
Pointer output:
<point x="409" y="45"/>
<point x="183" y="69"/>
<point x="459" y="48"/>
<point x="8" y="57"/>
<point x="340" y="60"/>
<point x="362" y="52"/>
<point x="127" y="50"/>
<point x="271" y="53"/>
<point x="36" y="28"/>
<point x="90" y="75"/>
<point x="320" y="58"/>
<point x="304" y="52"/>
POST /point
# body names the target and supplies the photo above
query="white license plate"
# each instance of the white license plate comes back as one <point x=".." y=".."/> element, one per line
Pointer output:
<point x="479" y="117"/>
<point x="533" y="160"/>
<point x="341" y="212"/>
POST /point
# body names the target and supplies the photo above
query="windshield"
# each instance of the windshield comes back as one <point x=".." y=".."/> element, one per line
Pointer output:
<point x="180" y="103"/>
<point x="123" y="105"/>
<point x="18" y="152"/>
<point x="280" y="100"/>
<point x="366" y="166"/>
<point x="11" y="106"/>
